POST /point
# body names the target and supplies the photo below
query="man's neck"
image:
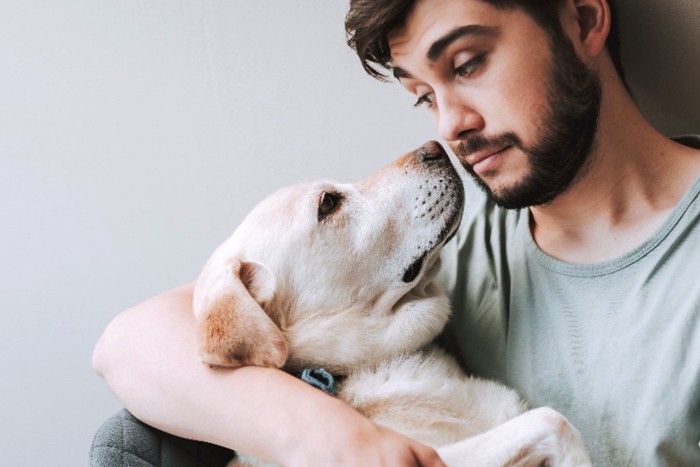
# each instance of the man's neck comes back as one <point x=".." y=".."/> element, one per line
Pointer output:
<point x="635" y="179"/>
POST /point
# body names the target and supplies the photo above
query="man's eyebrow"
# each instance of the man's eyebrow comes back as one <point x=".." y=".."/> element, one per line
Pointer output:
<point x="470" y="30"/>
<point x="442" y="43"/>
<point x="400" y="72"/>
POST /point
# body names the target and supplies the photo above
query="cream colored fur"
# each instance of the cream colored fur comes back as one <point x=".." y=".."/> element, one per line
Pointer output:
<point x="328" y="275"/>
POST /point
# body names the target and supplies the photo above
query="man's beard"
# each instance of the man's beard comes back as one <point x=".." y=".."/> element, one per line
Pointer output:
<point x="563" y="152"/>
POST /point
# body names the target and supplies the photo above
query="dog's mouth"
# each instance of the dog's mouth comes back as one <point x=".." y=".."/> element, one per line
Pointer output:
<point x="446" y="234"/>
<point x="439" y="200"/>
<point x="414" y="269"/>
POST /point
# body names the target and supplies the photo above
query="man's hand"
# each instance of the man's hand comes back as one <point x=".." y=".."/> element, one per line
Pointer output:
<point x="342" y="437"/>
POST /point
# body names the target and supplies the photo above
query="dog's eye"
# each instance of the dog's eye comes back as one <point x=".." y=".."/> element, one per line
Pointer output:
<point x="327" y="204"/>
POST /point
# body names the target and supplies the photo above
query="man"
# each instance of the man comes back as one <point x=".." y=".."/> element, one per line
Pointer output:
<point x="582" y="288"/>
<point x="573" y="280"/>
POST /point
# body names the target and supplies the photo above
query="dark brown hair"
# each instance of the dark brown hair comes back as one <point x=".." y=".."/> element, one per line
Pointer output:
<point x="369" y="23"/>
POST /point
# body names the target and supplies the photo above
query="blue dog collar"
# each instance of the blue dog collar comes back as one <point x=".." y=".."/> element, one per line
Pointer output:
<point x="319" y="378"/>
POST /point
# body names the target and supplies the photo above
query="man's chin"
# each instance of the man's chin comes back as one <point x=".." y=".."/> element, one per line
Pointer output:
<point x="507" y="200"/>
<point x="498" y="191"/>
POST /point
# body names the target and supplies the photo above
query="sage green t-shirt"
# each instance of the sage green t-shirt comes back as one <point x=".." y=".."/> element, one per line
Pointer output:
<point x="614" y="346"/>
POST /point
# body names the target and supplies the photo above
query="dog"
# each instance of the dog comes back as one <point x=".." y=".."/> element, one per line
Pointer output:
<point x="342" y="277"/>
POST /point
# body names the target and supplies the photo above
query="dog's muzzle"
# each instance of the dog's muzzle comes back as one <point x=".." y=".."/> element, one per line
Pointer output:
<point x="439" y="199"/>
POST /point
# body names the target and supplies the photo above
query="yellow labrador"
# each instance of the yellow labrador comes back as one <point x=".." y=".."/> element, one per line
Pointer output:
<point x="340" y="277"/>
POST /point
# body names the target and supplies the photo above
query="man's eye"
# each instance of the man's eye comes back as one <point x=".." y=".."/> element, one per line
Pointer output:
<point x="469" y="67"/>
<point x="328" y="203"/>
<point x="425" y="100"/>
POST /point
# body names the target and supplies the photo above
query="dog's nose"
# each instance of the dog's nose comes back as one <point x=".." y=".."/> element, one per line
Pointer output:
<point x="431" y="151"/>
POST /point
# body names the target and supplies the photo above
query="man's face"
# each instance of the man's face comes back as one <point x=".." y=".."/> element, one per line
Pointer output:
<point x="519" y="110"/>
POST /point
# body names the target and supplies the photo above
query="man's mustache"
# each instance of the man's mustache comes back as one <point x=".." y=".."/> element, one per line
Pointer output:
<point x="479" y="143"/>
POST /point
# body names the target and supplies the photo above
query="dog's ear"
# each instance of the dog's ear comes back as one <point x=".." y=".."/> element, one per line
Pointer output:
<point x="233" y="328"/>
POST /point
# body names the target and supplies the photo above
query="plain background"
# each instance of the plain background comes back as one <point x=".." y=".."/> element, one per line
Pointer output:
<point x="135" y="135"/>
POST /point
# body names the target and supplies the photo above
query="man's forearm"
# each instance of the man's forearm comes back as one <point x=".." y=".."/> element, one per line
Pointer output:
<point x="148" y="357"/>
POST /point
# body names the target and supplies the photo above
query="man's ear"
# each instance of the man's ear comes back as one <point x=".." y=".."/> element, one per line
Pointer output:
<point x="233" y="328"/>
<point x="589" y="23"/>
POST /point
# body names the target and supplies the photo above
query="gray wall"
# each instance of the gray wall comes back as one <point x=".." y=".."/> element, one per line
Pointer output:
<point x="135" y="134"/>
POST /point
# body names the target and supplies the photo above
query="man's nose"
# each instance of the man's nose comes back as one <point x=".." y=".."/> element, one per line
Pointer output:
<point x="456" y="117"/>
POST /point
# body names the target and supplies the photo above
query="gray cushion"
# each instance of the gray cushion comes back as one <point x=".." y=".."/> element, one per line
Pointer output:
<point x="125" y="441"/>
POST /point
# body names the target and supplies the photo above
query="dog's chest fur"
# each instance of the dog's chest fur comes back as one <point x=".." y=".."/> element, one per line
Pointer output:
<point x="426" y="396"/>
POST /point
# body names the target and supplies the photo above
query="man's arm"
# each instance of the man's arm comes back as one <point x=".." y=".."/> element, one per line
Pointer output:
<point x="148" y="357"/>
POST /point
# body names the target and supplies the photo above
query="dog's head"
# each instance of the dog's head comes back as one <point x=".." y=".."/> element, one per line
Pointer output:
<point x="332" y="275"/>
